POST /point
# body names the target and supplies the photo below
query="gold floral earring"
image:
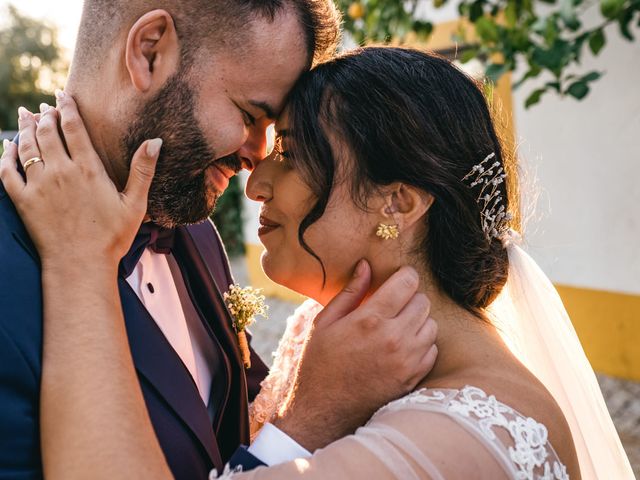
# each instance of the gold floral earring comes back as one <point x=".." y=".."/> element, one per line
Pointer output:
<point x="388" y="232"/>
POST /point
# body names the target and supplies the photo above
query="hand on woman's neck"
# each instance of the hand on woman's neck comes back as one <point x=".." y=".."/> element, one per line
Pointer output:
<point x="465" y="342"/>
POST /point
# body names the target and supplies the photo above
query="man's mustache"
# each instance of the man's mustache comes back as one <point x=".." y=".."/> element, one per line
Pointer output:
<point x="232" y="162"/>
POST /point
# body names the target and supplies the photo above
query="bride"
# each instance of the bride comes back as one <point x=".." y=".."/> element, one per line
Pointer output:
<point x="383" y="154"/>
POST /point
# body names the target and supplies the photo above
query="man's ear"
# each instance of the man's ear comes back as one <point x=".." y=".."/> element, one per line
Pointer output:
<point x="152" y="53"/>
<point x="405" y="205"/>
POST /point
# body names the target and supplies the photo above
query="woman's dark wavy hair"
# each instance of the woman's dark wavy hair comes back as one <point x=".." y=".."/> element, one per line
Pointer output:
<point x="412" y="117"/>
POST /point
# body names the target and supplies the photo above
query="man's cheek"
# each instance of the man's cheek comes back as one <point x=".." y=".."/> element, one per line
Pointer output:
<point x="229" y="140"/>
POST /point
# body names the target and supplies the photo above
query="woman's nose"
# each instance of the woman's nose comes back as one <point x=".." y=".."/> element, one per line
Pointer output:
<point x="260" y="183"/>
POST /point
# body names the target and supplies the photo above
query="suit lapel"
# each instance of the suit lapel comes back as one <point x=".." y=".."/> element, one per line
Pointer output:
<point x="157" y="361"/>
<point x="204" y="263"/>
<point x="210" y="275"/>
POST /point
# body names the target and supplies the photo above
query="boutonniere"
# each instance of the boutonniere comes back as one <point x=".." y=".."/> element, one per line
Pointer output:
<point x="244" y="304"/>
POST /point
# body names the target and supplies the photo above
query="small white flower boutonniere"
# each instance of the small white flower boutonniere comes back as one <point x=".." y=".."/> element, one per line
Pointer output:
<point x="244" y="304"/>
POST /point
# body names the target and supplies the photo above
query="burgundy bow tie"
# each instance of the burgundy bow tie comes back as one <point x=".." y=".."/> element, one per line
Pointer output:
<point x="159" y="239"/>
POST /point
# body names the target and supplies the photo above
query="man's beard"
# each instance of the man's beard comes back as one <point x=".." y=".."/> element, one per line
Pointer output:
<point x="179" y="193"/>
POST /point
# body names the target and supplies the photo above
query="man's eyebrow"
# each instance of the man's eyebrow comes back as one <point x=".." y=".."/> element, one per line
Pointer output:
<point x="268" y="109"/>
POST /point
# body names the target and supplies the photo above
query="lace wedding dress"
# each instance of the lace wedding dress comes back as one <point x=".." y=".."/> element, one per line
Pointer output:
<point x="430" y="433"/>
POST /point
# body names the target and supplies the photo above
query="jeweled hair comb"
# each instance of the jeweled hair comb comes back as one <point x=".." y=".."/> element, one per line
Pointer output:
<point x="493" y="213"/>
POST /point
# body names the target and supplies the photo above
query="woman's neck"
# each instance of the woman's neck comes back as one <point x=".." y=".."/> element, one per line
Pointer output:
<point x="467" y="345"/>
<point x="456" y="326"/>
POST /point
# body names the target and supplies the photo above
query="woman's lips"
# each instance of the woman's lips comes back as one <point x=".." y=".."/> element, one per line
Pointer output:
<point x="266" y="226"/>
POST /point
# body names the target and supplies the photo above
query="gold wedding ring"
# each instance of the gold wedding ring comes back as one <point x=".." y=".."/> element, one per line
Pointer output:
<point x="30" y="162"/>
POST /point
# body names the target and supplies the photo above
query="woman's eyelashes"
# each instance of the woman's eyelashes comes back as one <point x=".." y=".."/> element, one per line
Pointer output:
<point x="282" y="155"/>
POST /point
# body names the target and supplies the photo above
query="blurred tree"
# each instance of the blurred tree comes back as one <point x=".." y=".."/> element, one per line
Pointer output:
<point x="31" y="66"/>
<point x="228" y="218"/>
<point x="549" y="36"/>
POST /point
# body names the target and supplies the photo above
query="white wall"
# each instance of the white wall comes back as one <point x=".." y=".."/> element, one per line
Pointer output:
<point x="587" y="158"/>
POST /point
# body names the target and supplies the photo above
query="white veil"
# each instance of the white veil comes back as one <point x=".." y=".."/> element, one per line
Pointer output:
<point x="537" y="328"/>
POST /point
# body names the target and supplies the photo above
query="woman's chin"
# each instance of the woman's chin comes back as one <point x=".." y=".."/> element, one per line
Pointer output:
<point x="274" y="270"/>
<point x="277" y="271"/>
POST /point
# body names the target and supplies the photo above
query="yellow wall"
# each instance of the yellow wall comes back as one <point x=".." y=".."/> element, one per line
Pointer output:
<point x="608" y="325"/>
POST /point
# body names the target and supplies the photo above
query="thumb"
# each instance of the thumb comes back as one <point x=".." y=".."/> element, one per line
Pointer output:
<point x="143" y="167"/>
<point x="350" y="296"/>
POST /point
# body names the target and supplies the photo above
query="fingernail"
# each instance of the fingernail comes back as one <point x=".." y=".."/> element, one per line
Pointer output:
<point x="360" y="267"/>
<point x="154" y="146"/>
<point x="5" y="144"/>
<point x="23" y="113"/>
<point x="414" y="274"/>
<point x="59" y="94"/>
<point x="45" y="107"/>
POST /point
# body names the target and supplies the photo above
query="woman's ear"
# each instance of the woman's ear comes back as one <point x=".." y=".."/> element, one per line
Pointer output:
<point x="405" y="205"/>
<point x="152" y="52"/>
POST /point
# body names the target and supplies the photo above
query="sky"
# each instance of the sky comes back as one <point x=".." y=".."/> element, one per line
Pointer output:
<point x="64" y="14"/>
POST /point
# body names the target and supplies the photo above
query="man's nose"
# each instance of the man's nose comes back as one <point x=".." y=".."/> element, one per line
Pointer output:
<point x="254" y="149"/>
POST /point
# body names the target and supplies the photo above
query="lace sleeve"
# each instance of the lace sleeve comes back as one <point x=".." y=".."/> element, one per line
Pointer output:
<point x="403" y="444"/>
<point x="432" y="434"/>
<point x="278" y="384"/>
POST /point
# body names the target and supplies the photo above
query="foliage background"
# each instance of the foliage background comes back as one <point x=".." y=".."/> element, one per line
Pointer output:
<point x="228" y="218"/>
<point x="31" y="66"/>
<point x="549" y="37"/>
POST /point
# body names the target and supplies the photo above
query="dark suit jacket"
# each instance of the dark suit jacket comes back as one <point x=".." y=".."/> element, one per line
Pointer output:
<point x="194" y="439"/>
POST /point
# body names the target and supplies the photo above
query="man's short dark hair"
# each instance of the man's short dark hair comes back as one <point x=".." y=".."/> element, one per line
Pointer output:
<point x="204" y="23"/>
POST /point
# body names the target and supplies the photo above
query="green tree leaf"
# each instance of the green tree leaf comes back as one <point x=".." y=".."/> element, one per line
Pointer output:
<point x="568" y="14"/>
<point x="554" y="85"/>
<point x="495" y="70"/>
<point x="597" y="41"/>
<point x="511" y="13"/>
<point x="423" y="29"/>
<point x="623" y="22"/>
<point x="475" y="11"/>
<point x="578" y="90"/>
<point x="487" y="29"/>
<point x="554" y="58"/>
<point x="611" y="8"/>
<point x="533" y="72"/>
<point x="468" y="54"/>
<point x="534" y="97"/>
<point x="591" y="77"/>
